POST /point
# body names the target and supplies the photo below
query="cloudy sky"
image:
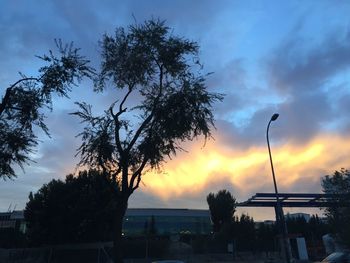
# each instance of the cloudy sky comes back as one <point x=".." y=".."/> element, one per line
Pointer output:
<point x="290" y="57"/>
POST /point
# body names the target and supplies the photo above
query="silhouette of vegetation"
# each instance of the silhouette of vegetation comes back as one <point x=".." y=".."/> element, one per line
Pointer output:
<point x="244" y="232"/>
<point x="339" y="216"/>
<point x="248" y="235"/>
<point x="265" y="237"/>
<point x="316" y="228"/>
<point x="12" y="238"/>
<point x="222" y="206"/>
<point x="312" y="230"/>
<point x="22" y="104"/>
<point x="148" y="64"/>
<point x="72" y="211"/>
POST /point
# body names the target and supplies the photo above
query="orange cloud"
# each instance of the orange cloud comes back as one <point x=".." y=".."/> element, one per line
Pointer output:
<point x="298" y="167"/>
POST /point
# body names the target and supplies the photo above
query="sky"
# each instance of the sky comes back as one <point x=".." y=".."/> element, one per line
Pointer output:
<point x="289" y="57"/>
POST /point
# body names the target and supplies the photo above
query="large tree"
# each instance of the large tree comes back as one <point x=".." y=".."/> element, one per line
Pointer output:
<point x="165" y="102"/>
<point x="222" y="206"/>
<point x="338" y="215"/>
<point x="74" y="210"/>
<point x="22" y="107"/>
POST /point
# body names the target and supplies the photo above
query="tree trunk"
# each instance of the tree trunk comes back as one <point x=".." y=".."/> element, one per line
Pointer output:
<point x="117" y="233"/>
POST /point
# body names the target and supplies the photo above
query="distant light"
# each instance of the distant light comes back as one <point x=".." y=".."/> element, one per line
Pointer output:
<point x="274" y="117"/>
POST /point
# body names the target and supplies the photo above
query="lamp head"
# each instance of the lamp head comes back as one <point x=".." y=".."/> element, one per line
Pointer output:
<point x="274" y="117"/>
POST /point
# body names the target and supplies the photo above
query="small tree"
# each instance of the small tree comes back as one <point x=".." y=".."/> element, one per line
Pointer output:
<point x="222" y="206"/>
<point x="22" y="104"/>
<point x="74" y="210"/>
<point x="339" y="215"/>
<point x="158" y="71"/>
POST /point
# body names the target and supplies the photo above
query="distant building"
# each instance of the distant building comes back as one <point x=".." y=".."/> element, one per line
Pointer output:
<point x="14" y="220"/>
<point x="298" y="215"/>
<point x="140" y="221"/>
<point x="269" y="222"/>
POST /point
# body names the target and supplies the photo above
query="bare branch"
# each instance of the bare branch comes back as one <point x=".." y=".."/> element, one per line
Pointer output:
<point x="117" y="136"/>
<point x="117" y="128"/>
<point x="21" y="80"/>
<point x="121" y="110"/>
<point x="137" y="174"/>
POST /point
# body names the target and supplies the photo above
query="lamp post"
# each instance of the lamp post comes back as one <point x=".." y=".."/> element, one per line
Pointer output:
<point x="280" y="220"/>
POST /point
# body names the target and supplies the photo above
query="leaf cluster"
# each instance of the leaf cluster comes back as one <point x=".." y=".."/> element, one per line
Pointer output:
<point x="23" y="105"/>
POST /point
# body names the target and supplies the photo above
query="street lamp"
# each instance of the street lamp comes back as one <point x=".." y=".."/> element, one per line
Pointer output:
<point x="280" y="220"/>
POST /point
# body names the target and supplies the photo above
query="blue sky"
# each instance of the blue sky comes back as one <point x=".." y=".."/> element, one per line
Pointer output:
<point x="291" y="57"/>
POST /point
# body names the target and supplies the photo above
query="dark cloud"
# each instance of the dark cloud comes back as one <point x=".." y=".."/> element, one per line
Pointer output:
<point x="294" y="70"/>
<point x="302" y="77"/>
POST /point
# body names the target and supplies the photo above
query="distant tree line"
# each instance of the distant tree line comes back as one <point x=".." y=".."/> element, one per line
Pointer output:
<point x="338" y="216"/>
<point x="77" y="210"/>
<point x="248" y="235"/>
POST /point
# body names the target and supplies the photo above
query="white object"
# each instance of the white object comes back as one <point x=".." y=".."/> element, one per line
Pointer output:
<point x="302" y="251"/>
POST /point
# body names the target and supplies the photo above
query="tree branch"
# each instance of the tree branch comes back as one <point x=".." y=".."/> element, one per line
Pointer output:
<point x="21" y="80"/>
<point x="121" y="110"/>
<point x="116" y="130"/>
<point x="115" y="174"/>
<point x="149" y="118"/>
<point x="125" y="175"/>
<point x="137" y="174"/>
<point x="116" y="120"/>
<point x="6" y="98"/>
<point x="139" y="131"/>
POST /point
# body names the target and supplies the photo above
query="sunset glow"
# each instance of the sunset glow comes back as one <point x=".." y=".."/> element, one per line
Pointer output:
<point x="286" y="57"/>
<point x="190" y="173"/>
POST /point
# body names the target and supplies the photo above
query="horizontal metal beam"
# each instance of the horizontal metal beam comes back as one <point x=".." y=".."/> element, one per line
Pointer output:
<point x="286" y="204"/>
<point x="297" y="200"/>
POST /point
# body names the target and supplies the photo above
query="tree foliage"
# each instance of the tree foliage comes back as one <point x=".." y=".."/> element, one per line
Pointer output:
<point x="22" y="104"/>
<point x="75" y="210"/>
<point x="222" y="206"/>
<point x="164" y="102"/>
<point x="339" y="215"/>
<point x="173" y="104"/>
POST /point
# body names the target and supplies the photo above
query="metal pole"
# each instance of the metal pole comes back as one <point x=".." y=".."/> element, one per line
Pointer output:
<point x="280" y="220"/>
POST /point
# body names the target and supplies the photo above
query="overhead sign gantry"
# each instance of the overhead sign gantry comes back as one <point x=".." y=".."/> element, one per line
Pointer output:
<point x="297" y="200"/>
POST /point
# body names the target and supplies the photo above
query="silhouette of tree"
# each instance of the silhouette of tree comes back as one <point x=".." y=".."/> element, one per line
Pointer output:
<point x="317" y="228"/>
<point x="297" y="225"/>
<point x="22" y="104"/>
<point x="265" y="237"/>
<point x="74" y="210"/>
<point x="222" y="206"/>
<point x="244" y="232"/>
<point x="150" y="65"/>
<point x="339" y="216"/>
